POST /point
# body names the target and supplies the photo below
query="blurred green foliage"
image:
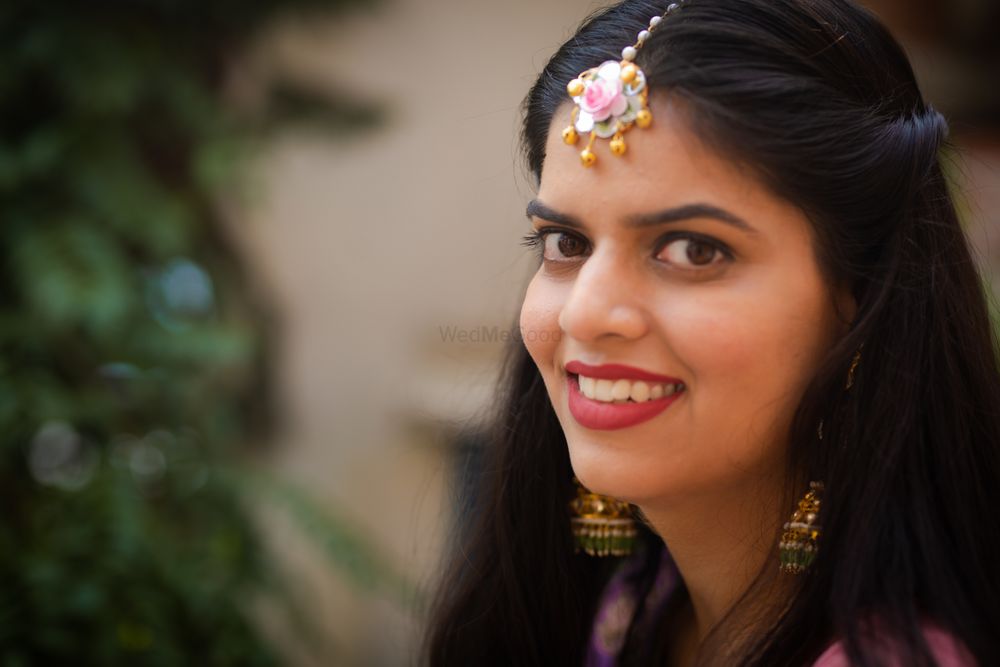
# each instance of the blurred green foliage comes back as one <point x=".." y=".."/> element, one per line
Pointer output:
<point x="133" y="350"/>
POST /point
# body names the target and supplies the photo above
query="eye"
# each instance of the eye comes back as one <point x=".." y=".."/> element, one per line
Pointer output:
<point x="556" y="245"/>
<point x="685" y="250"/>
<point x="693" y="251"/>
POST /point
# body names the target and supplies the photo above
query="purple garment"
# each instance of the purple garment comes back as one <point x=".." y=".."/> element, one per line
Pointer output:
<point x="620" y="603"/>
<point x="948" y="650"/>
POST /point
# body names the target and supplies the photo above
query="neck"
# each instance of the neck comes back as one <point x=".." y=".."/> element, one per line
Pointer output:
<point x="720" y="541"/>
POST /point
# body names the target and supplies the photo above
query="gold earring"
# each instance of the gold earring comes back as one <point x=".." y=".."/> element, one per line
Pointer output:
<point x="799" y="541"/>
<point x="854" y="365"/>
<point x="602" y="525"/>
<point x="850" y="382"/>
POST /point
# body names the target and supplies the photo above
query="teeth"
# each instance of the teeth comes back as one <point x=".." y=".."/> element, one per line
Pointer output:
<point x="639" y="392"/>
<point x="622" y="391"/>
<point x="602" y="390"/>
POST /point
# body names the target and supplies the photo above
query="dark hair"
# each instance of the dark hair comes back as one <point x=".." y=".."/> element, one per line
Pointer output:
<point x="820" y="102"/>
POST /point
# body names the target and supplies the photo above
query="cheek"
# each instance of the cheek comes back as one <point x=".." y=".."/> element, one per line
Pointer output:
<point x="750" y="354"/>
<point x="539" y="323"/>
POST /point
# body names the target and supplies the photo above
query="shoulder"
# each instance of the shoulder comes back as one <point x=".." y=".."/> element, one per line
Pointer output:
<point x="947" y="649"/>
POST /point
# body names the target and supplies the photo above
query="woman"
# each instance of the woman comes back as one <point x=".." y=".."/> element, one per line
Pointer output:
<point x="753" y="296"/>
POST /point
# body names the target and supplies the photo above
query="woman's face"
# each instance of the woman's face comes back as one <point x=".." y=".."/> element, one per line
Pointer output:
<point x="672" y="261"/>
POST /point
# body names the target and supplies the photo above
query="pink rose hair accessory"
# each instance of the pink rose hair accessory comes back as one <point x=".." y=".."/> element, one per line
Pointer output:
<point x="611" y="98"/>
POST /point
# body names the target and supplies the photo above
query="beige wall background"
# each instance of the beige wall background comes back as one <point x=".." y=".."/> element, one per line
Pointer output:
<point x="370" y="245"/>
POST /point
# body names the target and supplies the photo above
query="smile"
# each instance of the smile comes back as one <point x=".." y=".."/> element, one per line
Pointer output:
<point x="610" y="401"/>
<point x="623" y="391"/>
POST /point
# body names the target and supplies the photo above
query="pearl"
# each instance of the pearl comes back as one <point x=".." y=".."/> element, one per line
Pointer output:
<point x="655" y="21"/>
<point x="643" y="35"/>
<point x="575" y="87"/>
<point x="570" y="136"/>
<point x="628" y="53"/>
<point x="587" y="157"/>
<point x="673" y="7"/>
<point x="643" y="118"/>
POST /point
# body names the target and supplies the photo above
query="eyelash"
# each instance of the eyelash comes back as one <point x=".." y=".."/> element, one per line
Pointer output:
<point x="536" y="239"/>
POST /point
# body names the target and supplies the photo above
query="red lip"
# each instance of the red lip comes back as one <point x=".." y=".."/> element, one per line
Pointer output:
<point x="616" y="372"/>
<point x="612" y="416"/>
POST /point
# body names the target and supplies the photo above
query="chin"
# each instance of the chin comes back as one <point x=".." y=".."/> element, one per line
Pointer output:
<point x="637" y="477"/>
<point x="607" y="472"/>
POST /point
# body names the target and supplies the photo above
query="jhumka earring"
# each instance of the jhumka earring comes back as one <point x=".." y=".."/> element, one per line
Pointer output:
<point x="602" y="525"/>
<point x="799" y="541"/>
<point x="611" y="98"/>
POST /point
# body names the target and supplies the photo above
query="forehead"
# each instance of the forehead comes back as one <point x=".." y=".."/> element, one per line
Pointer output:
<point x="664" y="165"/>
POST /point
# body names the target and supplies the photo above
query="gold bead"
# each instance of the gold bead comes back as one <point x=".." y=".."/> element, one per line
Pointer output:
<point x="618" y="146"/>
<point x="587" y="157"/>
<point x="575" y="87"/>
<point x="643" y="118"/>
<point x="629" y="73"/>
<point x="570" y="136"/>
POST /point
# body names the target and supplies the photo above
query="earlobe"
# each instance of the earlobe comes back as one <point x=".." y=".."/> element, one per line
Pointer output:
<point x="845" y="305"/>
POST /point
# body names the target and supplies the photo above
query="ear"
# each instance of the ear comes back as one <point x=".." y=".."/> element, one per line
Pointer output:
<point x="846" y="305"/>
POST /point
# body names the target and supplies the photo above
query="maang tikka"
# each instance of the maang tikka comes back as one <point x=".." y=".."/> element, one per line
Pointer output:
<point x="611" y="98"/>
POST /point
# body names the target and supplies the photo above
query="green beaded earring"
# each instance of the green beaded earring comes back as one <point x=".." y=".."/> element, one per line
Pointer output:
<point x="799" y="541"/>
<point x="602" y="525"/>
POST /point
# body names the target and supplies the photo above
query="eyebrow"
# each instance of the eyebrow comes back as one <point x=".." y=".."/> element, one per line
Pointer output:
<point x="537" y="209"/>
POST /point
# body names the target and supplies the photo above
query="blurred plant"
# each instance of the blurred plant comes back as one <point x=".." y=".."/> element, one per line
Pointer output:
<point x="133" y="350"/>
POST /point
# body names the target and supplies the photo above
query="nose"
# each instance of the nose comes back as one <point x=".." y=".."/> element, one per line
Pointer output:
<point x="604" y="302"/>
